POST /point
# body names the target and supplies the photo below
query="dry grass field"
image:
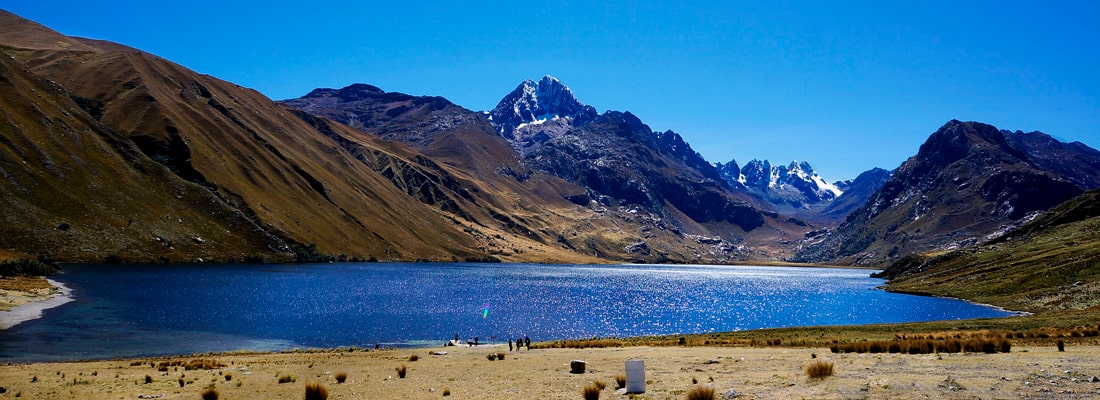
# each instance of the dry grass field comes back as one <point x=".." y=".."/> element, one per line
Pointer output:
<point x="671" y="372"/>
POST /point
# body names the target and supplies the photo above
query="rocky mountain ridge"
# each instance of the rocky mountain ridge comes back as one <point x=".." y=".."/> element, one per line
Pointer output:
<point x="966" y="183"/>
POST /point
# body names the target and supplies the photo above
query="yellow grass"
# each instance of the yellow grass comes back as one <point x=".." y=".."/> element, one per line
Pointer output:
<point x="544" y="374"/>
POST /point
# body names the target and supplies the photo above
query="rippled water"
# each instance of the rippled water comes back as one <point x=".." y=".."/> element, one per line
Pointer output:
<point x="152" y="310"/>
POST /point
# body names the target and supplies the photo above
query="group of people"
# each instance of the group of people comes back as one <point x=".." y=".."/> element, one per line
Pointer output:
<point x="519" y="343"/>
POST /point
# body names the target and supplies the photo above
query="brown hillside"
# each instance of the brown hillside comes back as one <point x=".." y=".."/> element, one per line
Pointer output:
<point x="256" y="158"/>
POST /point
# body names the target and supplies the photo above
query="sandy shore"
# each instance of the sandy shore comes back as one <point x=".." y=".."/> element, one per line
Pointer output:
<point x="28" y="302"/>
<point x="466" y="373"/>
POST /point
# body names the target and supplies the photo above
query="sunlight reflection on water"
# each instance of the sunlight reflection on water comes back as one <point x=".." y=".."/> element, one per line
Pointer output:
<point x="149" y="310"/>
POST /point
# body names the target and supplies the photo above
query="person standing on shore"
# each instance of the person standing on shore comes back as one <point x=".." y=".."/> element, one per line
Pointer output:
<point x="527" y="342"/>
<point x="509" y="344"/>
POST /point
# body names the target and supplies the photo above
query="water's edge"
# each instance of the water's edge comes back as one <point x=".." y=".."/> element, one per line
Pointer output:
<point x="34" y="309"/>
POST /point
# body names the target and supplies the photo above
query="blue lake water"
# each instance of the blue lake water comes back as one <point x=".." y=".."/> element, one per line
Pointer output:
<point x="123" y="311"/>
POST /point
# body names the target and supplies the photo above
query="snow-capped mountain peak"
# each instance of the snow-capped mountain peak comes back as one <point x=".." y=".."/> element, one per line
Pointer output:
<point x="796" y="184"/>
<point x="538" y="101"/>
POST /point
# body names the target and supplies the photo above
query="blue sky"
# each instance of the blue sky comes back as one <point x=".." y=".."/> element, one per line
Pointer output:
<point x="845" y="85"/>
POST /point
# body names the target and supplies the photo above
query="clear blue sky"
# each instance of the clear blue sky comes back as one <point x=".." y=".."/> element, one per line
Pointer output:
<point x="846" y="85"/>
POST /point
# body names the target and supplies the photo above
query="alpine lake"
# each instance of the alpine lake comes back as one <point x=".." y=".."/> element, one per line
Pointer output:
<point x="149" y="310"/>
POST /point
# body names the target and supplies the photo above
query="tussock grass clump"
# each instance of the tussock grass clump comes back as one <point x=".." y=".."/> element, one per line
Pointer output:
<point x="819" y="369"/>
<point x="620" y="381"/>
<point x="228" y="377"/>
<point x="286" y="378"/>
<point x="594" y="343"/>
<point x="1061" y="345"/>
<point x="182" y="382"/>
<point x="316" y="391"/>
<point x="414" y="357"/>
<point x="202" y="364"/>
<point x="148" y="379"/>
<point x="491" y="356"/>
<point x="591" y="392"/>
<point x="988" y="345"/>
<point x="210" y="394"/>
<point x="341" y="377"/>
<point x="500" y="356"/>
<point x="599" y="384"/>
<point x="446" y="392"/>
<point x="700" y="393"/>
<point x="401" y="371"/>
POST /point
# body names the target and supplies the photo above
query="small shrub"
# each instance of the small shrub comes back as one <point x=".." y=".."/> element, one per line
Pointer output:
<point x="148" y="379"/>
<point x="316" y="391"/>
<point x="500" y="356"/>
<point x="491" y="357"/>
<point x="401" y="371"/>
<point x="1061" y="345"/>
<point x="446" y="392"/>
<point x="228" y="377"/>
<point x="819" y="369"/>
<point x="181" y="382"/>
<point x="415" y="357"/>
<point x="287" y="378"/>
<point x="210" y="394"/>
<point x="341" y="377"/>
<point x="600" y="384"/>
<point x="591" y="392"/>
<point x="620" y="381"/>
<point x="701" y="393"/>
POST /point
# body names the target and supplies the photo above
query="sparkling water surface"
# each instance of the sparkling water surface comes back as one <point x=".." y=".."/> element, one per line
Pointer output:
<point x="143" y="310"/>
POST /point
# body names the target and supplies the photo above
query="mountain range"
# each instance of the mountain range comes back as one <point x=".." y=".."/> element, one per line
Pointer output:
<point x="111" y="153"/>
<point x="969" y="182"/>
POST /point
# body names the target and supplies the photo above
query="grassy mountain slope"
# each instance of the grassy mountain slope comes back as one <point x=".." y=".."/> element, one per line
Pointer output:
<point x="251" y="157"/>
<point x="1051" y="263"/>
<point x="965" y="184"/>
<point x="264" y="179"/>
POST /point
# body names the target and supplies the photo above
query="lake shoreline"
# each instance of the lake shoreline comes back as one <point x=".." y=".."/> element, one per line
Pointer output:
<point x="32" y="304"/>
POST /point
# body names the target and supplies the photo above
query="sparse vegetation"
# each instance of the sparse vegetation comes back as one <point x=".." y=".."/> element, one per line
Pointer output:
<point x="286" y="378"/>
<point x="620" y="381"/>
<point x="341" y="377"/>
<point x="415" y="357"/>
<point x="210" y="394"/>
<point x="819" y="369"/>
<point x="591" y="392"/>
<point x="316" y="391"/>
<point x="401" y="371"/>
<point x="599" y="384"/>
<point x="446" y="392"/>
<point x="500" y="356"/>
<point x="700" y="393"/>
<point x="27" y="267"/>
<point x="491" y="356"/>
<point x="148" y="379"/>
